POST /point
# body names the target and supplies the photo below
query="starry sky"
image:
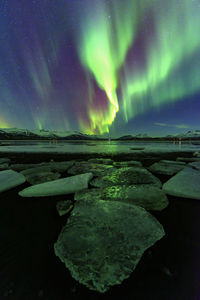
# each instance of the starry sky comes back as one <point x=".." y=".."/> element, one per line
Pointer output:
<point x="99" y="66"/>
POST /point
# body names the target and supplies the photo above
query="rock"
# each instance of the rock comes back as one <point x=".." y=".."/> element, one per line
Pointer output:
<point x="195" y="165"/>
<point x="130" y="163"/>
<point x="10" y="179"/>
<point x="197" y="154"/>
<point x="166" y="167"/>
<point x="167" y="271"/>
<point x="184" y="184"/>
<point x="147" y="196"/>
<point x="104" y="161"/>
<point x="4" y="160"/>
<point x="21" y="167"/>
<point x="41" y="177"/>
<point x="35" y="170"/>
<point x="40" y="174"/>
<point x="4" y="166"/>
<point x="103" y="241"/>
<point x="59" y="166"/>
<point x="63" y="207"/>
<point x="95" y="169"/>
<point x="187" y="159"/>
<point x="137" y="148"/>
<point x="127" y="176"/>
<point x="62" y="186"/>
<point x="173" y="162"/>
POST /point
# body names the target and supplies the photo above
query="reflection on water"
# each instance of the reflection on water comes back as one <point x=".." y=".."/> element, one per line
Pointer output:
<point x="94" y="146"/>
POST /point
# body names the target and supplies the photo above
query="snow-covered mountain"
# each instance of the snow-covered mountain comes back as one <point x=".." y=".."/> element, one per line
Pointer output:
<point x="195" y="134"/>
<point x="13" y="131"/>
<point x="142" y="135"/>
<point x="189" y="134"/>
<point x="126" y="137"/>
<point x="56" y="134"/>
<point x="133" y="137"/>
<point x="43" y="134"/>
<point x="18" y="133"/>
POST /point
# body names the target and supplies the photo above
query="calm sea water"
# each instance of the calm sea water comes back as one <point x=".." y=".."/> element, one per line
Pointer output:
<point x="94" y="146"/>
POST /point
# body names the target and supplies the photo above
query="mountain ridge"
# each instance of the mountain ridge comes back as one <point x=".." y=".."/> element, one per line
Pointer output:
<point x="18" y="133"/>
<point x="8" y="133"/>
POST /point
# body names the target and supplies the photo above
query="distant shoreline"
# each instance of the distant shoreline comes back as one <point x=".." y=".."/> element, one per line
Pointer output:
<point x="164" y="139"/>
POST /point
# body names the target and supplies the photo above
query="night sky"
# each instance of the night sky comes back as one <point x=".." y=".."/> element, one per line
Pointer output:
<point x="124" y="66"/>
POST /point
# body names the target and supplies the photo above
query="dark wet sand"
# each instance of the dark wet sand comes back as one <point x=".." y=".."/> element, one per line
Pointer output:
<point x="29" y="270"/>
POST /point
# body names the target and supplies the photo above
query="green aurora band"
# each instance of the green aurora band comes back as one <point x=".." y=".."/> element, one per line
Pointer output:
<point x="174" y="45"/>
<point x="173" y="42"/>
<point x="103" y="48"/>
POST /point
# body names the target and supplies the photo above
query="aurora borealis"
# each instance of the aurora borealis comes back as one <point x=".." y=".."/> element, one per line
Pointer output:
<point x="100" y="65"/>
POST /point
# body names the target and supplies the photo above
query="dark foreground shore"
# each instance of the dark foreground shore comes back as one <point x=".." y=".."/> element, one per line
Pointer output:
<point x="29" y="269"/>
